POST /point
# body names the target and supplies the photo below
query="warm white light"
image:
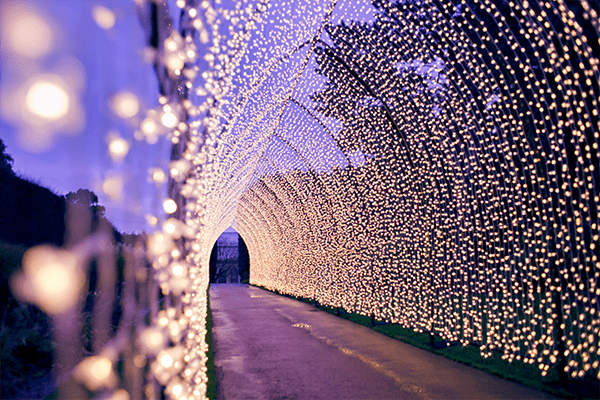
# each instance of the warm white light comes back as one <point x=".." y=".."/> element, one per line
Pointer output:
<point x="125" y="104"/>
<point x="95" y="372"/>
<point x="51" y="279"/>
<point x="28" y="33"/>
<point x="120" y="394"/>
<point x="152" y="340"/>
<point x="169" y="206"/>
<point x="100" y="368"/>
<point x="169" y="120"/>
<point x="165" y="360"/>
<point x="104" y="17"/>
<point x="113" y="187"/>
<point x="177" y="389"/>
<point x="151" y="220"/>
<point x="157" y="175"/>
<point x="117" y="148"/>
<point x="48" y="100"/>
<point x="149" y="127"/>
<point x="178" y="269"/>
<point x="169" y="228"/>
<point x="174" y="62"/>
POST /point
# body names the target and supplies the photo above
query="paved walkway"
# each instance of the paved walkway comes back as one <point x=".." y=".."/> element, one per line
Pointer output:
<point x="272" y="347"/>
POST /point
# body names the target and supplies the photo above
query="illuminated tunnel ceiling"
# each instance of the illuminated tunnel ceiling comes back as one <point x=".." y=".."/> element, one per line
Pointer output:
<point x="434" y="163"/>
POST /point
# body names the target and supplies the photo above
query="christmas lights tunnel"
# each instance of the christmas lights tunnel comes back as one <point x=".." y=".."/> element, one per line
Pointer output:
<point x="433" y="164"/>
<point x="418" y="167"/>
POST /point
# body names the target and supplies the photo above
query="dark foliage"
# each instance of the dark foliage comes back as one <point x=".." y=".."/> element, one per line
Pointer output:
<point x="213" y="264"/>
<point x="243" y="261"/>
<point x="31" y="215"/>
<point x="6" y="160"/>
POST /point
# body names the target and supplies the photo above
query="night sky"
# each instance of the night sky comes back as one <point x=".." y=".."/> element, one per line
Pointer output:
<point x="103" y="62"/>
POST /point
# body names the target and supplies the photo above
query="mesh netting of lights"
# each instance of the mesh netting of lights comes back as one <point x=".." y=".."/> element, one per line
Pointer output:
<point x="432" y="163"/>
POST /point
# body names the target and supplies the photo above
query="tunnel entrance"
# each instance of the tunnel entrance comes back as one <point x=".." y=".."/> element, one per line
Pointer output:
<point x="229" y="260"/>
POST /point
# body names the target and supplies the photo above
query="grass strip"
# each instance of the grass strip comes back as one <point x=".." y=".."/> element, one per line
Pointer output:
<point x="211" y="385"/>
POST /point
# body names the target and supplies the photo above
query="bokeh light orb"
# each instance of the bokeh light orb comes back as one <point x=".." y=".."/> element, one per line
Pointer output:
<point x="28" y="34"/>
<point x="125" y="104"/>
<point x="104" y="17"/>
<point x="47" y="99"/>
<point x="170" y="206"/>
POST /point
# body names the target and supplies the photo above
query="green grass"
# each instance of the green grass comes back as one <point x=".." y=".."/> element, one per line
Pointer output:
<point x="525" y="374"/>
<point x="211" y="386"/>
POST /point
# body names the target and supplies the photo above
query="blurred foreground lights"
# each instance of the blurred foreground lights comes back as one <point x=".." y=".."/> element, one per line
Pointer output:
<point x="27" y="33"/>
<point x="167" y="364"/>
<point x="173" y="227"/>
<point x="169" y="120"/>
<point x="177" y="389"/>
<point x="174" y="62"/>
<point x="42" y="107"/>
<point x="95" y="373"/>
<point x="149" y="127"/>
<point x="117" y="147"/>
<point x="112" y="186"/>
<point x="104" y="17"/>
<point x="178" y="269"/>
<point x="170" y="206"/>
<point x="179" y="169"/>
<point x="151" y="341"/>
<point x="50" y="279"/>
<point x="125" y="104"/>
<point x="157" y="175"/>
<point x="48" y="100"/>
<point x="120" y="394"/>
<point x="159" y="244"/>
<point x="151" y="220"/>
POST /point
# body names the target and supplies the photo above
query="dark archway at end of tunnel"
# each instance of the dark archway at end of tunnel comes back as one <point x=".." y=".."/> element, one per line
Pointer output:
<point x="229" y="259"/>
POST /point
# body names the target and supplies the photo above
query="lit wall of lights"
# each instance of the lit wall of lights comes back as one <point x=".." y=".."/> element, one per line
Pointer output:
<point x="433" y="163"/>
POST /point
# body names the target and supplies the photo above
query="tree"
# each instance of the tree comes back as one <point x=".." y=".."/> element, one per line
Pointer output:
<point x="87" y="198"/>
<point x="6" y="160"/>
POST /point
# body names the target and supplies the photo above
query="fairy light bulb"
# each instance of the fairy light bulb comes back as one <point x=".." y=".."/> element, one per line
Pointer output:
<point x="157" y="175"/>
<point x="169" y="120"/>
<point x="51" y="279"/>
<point x="48" y="100"/>
<point x="29" y="34"/>
<point x="104" y="17"/>
<point x="100" y="369"/>
<point x="149" y="127"/>
<point x="169" y="206"/>
<point x="165" y="360"/>
<point x="117" y="147"/>
<point x="126" y="105"/>
<point x="95" y="372"/>
<point x="112" y="186"/>
<point x="151" y="341"/>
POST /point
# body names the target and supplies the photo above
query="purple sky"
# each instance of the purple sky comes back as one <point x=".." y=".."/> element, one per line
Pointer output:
<point x="112" y="61"/>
